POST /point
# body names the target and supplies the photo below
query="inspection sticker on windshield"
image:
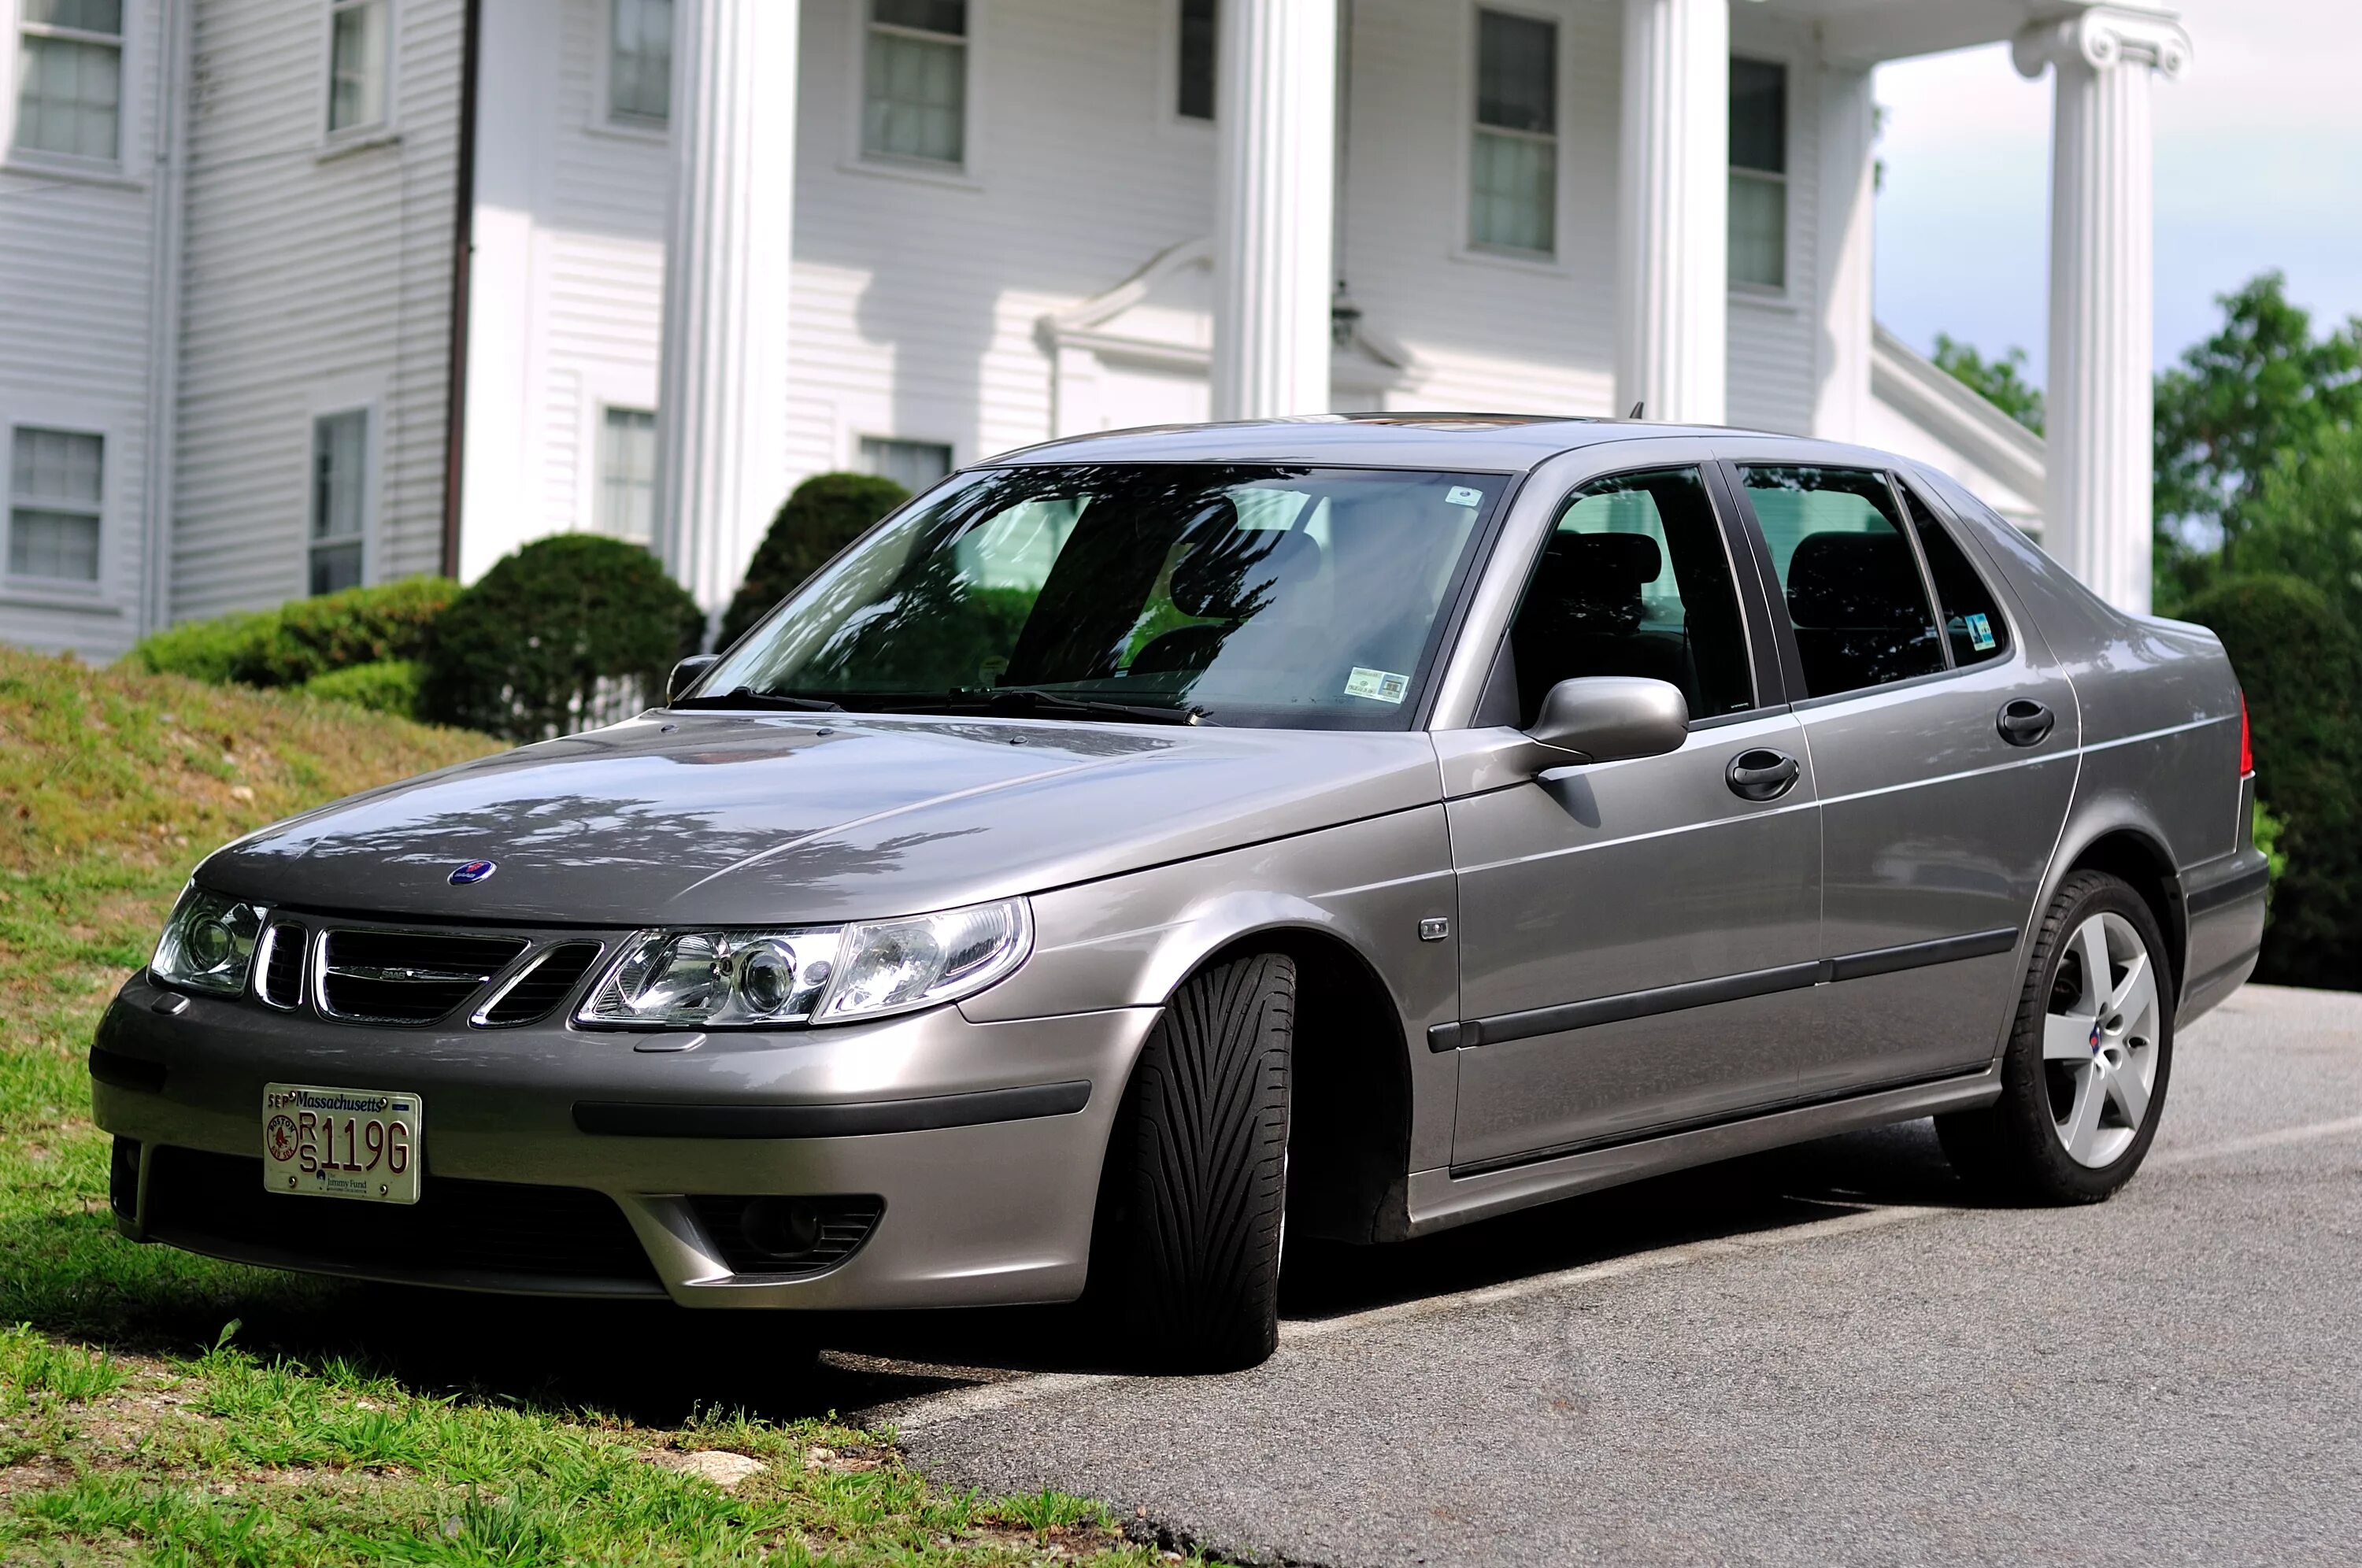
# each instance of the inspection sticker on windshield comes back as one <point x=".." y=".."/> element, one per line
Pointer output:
<point x="1378" y="685"/>
<point x="1463" y="495"/>
<point x="1980" y="635"/>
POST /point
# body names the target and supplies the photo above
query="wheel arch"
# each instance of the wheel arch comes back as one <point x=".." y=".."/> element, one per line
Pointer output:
<point x="2121" y="843"/>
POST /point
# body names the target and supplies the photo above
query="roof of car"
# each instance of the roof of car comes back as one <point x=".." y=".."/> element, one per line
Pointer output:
<point x="1513" y="442"/>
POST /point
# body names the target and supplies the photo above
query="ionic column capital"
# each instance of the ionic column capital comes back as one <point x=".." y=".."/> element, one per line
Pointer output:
<point x="2103" y="36"/>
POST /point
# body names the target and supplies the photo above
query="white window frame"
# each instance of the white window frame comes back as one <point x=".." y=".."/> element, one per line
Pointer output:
<point x="597" y="494"/>
<point x="334" y="139"/>
<point x="128" y="93"/>
<point x="1462" y="247"/>
<point x="603" y="118"/>
<point x="856" y="462"/>
<point x="331" y="403"/>
<point x="58" y="592"/>
<point x="1765" y="52"/>
<point x="964" y="175"/>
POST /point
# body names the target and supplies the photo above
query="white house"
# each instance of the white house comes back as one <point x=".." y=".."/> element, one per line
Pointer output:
<point x="295" y="293"/>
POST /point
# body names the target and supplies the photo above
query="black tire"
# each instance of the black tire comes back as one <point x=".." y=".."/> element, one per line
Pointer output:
<point x="1186" y="1252"/>
<point x="2012" y="1151"/>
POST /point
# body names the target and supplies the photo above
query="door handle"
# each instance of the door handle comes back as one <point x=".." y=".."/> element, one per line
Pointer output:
<point x="1762" y="774"/>
<point x="2024" y="721"/>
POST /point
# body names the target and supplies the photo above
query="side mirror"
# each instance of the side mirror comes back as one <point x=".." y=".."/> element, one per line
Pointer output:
<point x="687" y="673"/>
<point x="1609" y="718"/>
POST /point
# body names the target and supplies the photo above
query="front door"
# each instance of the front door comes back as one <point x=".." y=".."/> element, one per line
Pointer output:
<point x="1944" y="741"/>
<point x="1638" y="939"/>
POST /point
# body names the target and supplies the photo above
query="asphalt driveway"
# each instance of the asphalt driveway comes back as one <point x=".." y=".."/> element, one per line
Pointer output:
<point x="1815" y="1356"/>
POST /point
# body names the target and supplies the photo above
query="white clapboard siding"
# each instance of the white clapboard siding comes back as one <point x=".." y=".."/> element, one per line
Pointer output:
<point x="77" y="254"/>
<point x="1774" y="339"/>
<point x="313" y="279"/>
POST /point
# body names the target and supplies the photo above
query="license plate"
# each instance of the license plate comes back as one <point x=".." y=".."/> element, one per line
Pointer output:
<point x="341" y="1142"/>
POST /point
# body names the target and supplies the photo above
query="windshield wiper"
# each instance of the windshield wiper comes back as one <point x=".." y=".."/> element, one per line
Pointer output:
<point x="748" y="697"/>
<point x="1028" y="699"/>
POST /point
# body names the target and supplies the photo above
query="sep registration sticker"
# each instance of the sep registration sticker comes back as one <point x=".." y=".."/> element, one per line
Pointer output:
<point x="1980" y="635"/>
<point x="1378" y="685"/>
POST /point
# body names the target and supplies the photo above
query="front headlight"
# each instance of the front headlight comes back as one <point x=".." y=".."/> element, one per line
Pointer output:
<point x="208" y="945"/>
<point x="760" y="979"/>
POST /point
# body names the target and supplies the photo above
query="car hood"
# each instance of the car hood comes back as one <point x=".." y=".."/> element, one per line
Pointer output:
<point x="740" y="819"/>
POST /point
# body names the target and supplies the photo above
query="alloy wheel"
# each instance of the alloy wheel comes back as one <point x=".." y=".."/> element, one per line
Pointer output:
<point x="2099" y="1040"/>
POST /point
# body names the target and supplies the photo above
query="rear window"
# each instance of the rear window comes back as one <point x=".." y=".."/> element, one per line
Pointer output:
<point x="1972" y="619"/>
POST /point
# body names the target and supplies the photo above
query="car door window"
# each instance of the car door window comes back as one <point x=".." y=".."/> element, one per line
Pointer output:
<point x="1972" y="619"/>
<point x="1847" y="577"/>
<point x="1635" y="579"/>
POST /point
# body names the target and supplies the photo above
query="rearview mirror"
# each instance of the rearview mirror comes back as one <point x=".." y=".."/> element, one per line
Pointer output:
<point x="687" y="673"/>
<point x="1609" y="718"/>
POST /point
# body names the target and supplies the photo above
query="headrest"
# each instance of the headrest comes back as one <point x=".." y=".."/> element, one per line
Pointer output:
<point x="1624" y="560"/>
<point x="1232" y="572"/>
<point x="1854" y="582"/>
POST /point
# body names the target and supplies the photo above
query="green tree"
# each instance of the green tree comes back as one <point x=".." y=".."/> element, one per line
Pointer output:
<point x="2000" y="381"/>
<point x="2306" y="520"/>
<point x="826" y="513"/>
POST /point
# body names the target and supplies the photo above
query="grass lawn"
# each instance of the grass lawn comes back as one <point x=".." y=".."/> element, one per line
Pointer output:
<point x="156" y="1407"/>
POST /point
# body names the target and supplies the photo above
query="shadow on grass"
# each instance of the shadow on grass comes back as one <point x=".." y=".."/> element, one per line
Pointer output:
<point x="71" y="1275"/>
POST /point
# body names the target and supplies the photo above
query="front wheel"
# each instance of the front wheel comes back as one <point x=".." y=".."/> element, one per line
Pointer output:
<point x="1185" y="1253"/>
<point x="2084" y="1075"/>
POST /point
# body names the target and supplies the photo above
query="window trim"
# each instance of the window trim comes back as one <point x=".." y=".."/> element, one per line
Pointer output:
<point x="387" y="127"/>
<point x="601" y="407"/>
<point x="963" y="175"/>
<point x="129" y="90"/>
<point x="605" y="121"/>
<point x="1765" y="295"/>
<point x="373" y="411"/>
<point x="856" y="460"/>
<point x="1465" y="247"/>
<point x="61" y="591"/>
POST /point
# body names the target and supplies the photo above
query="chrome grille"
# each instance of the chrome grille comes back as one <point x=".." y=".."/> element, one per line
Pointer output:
<point x="280" y="974"/>
<point x="407" y="976"/>
<point x="540" y="985"/>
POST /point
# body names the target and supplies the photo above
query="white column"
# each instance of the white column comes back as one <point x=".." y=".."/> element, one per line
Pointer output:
<point x="2100" y="415"/>
<point x="1846" y="297"/>
<point x="721" y="465"/>
<point x="1673" y="211"/>
<point x="1274" y="202"/>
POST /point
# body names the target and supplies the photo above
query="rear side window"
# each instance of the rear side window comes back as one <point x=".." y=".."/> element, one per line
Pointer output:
<point x="1848" y="579"/>
<point x="1972" y="622"/>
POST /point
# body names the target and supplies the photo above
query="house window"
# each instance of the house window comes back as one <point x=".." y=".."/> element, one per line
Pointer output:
<point x="359" y="55"/>
<point x="1759" y="173"/>
<point x="339" y="494"/>
<point x="913" y="465"/>
<point x="69" y="78"/>
<point x="914" y="102"/>
<point x="639" y="62"/>
<point x="1198" y="57"/>
<point x="627" y="475"/>
<point x="1513" y="181"/>
<point x="53" y="505"/>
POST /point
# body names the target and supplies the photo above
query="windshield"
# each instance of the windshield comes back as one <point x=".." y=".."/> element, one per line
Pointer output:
<point x="1284" y="597"/>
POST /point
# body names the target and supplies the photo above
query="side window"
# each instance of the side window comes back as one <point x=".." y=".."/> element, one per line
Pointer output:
<point x="1635" y="581"/>
<point x="1847" y="575"/>
<point x="1972" y="620"/>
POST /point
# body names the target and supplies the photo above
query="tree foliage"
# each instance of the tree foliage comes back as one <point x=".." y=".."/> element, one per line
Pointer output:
<point x="826" y="513"/>
<point x="2306" y="520"/>
<point x="2000" y="381"/>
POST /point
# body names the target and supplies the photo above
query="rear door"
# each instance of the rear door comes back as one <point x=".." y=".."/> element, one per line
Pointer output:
<point x="1943" y="740"/>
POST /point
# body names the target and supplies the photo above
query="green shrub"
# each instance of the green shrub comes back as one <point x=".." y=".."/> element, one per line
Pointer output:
<point x="387" y="686"/>
<point x="2300" y="662"/>
<point x="567" y="634"/>
<point x="826" y="513"/>
<point x="357" y="626"/>
<point x="210" y="651"/>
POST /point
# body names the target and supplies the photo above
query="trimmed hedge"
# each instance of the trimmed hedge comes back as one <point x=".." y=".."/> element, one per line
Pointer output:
<point x="567" y="633"/>
<point x="826" y="513"/>
<point x="386" y="686"/>
<point x="302" y="639"/>
<point x="2300" y="662"/>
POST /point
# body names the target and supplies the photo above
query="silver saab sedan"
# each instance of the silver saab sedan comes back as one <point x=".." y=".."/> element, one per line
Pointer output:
<point x="1144" y="843"/>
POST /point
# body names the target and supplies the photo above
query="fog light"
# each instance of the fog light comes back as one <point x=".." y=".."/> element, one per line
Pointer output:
<point x="780" y="1227"/>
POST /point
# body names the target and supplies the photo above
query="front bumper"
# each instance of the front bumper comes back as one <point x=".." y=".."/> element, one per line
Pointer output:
<point x="984" y="1141"/>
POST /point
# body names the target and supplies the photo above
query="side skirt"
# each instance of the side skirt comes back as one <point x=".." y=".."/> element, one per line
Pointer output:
<point x="1442" y="1198"/>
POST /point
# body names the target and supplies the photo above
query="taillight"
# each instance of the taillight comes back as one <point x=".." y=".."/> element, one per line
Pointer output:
<point x="2246" y="740"/>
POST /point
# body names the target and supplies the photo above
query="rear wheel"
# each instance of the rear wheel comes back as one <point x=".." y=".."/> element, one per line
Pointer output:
<point x="2084" y="1076"/>
<point x="1186" y="1248"/>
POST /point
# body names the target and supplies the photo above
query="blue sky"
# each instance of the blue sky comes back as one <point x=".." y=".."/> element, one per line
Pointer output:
<point x="2258" y="165"/>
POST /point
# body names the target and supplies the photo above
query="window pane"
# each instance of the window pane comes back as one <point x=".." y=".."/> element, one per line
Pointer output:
<point x="56" y="465"/>
<point x="913" y="465"/>
<point x="639" y="66"/>
<point x="1513" y="193"/>
<point x="1850" y="584"/>
<point x="60" y="544"/>
<point x="1972" y="620"/>
<point x="83" y="15"/>
<point x="357" y="61"/>
<point x="336" y="567"/>
<point x="926" y="15"/>
<point x="339" y="459"/>
<point x="1199" y="54"/>
<point x="68" y="96"/>
<point x="1758" y="230"/>
<point x="1758" y="116"/>
<point x="1517" y="72"/>
<point x="916" y="98"/>
<point x="1635" y="581"/>
<point x="627" y="475"/>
